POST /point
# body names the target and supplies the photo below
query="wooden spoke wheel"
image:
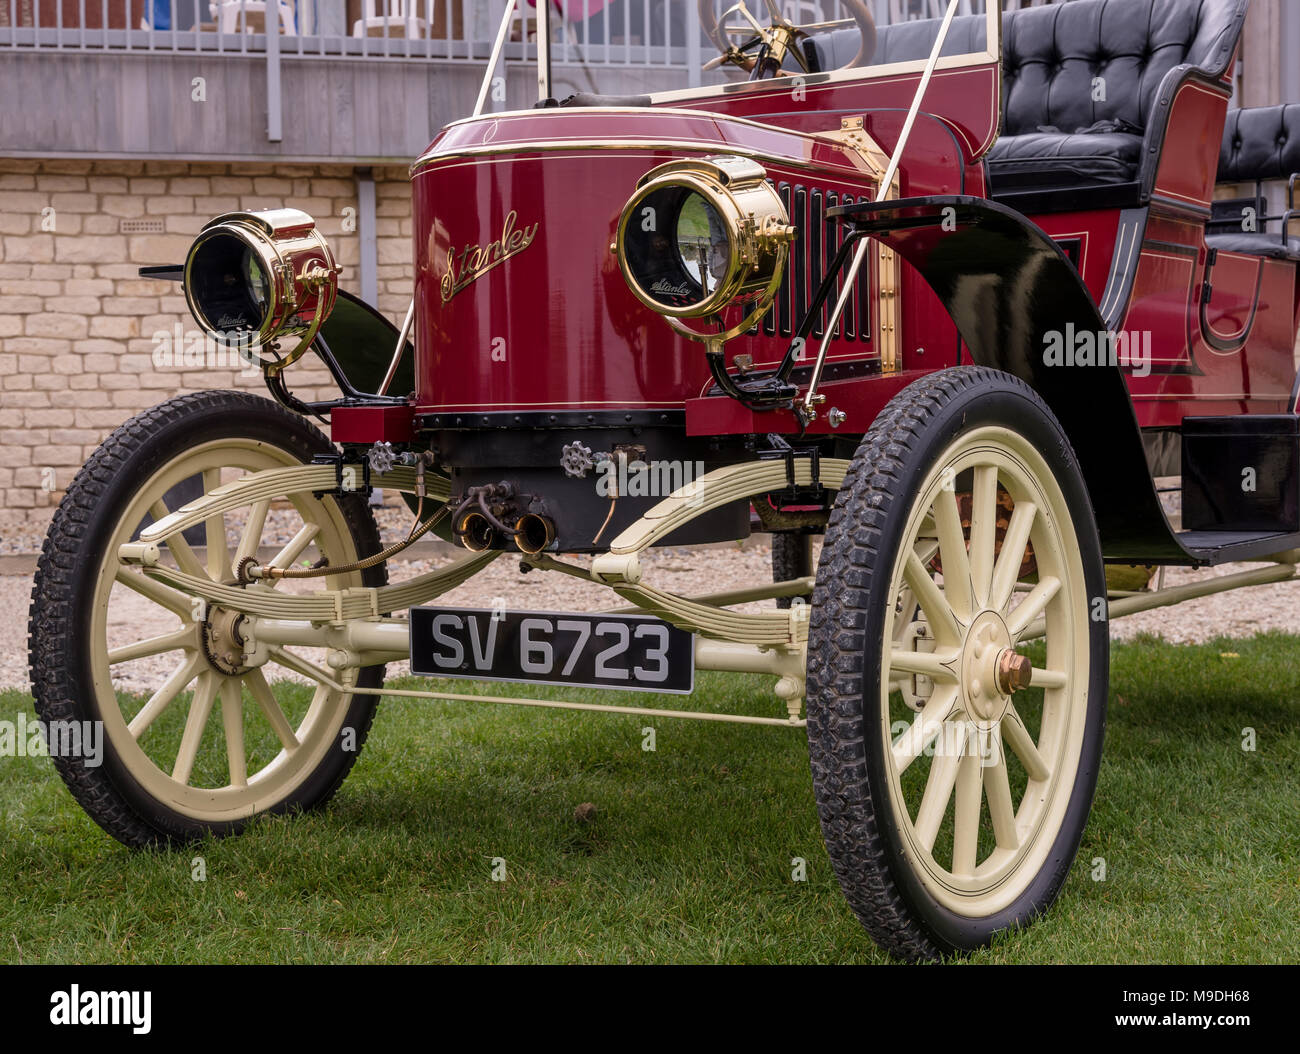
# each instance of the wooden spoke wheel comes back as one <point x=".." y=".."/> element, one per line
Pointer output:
<point x="211" y="740"/>
<point x="956" y="706"/>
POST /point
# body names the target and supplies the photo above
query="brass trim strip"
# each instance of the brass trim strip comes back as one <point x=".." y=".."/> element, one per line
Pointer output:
<point x="571" y="145"/>
<point x="888" y="278"/>
<point x="653" y="111"/>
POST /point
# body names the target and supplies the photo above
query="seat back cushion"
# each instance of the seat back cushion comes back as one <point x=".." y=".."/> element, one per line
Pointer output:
<point x="1260" y="143"/>
<point x="902" y="42"/>
<point x="1070" y="66"/>
<point x="1052" y="55"/>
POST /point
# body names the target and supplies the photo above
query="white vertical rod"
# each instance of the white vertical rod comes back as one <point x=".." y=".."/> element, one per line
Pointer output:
<point x="881" y="194"/>
<point x="543" y="50"/>
<point x="494" y="59"/>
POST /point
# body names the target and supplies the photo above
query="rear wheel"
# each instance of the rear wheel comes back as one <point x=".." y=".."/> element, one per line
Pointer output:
<point x="792" y="557"/>
<point x="957" y="680"/>
<point x="194" y="741"/>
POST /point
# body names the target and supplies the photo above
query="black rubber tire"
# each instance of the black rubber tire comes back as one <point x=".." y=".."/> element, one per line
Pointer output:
<point x="792" y="557"/>
<point x="65" y="583"/>
<point x="846" y="628"/>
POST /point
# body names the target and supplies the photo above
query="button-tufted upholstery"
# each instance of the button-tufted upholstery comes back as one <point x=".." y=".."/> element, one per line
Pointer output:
<point x="1260" y="143"/>
<point x="1061" y="126"/>
<point x="1080" y="81"/>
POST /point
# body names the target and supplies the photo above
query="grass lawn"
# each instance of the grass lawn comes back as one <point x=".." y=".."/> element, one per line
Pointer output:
<point x="688" y="857"/>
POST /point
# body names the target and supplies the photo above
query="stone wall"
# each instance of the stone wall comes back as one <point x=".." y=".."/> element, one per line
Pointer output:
<point x="78" y="326"/>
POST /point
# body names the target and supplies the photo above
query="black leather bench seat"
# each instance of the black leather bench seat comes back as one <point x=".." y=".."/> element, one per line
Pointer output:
<point x="1046" y="161"/>
<point x="1080" y="83"/>
<point x="1255" y="244"/>
<point x="1260" y="143"/>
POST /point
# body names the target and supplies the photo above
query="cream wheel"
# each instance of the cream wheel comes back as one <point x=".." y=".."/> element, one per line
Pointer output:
<point x="957" y="687"/>
<point x="196" y="737"/>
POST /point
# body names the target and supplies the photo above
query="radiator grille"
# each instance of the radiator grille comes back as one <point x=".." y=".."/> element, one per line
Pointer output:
<point x="815" y="246"/>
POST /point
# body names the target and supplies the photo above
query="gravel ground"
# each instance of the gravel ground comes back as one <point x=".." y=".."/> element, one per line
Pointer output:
<point x="1235" y="614"/>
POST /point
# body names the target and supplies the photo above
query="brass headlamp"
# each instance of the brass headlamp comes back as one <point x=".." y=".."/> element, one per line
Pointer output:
<point x="703" y="234"/>
<point x="257" y="280"/>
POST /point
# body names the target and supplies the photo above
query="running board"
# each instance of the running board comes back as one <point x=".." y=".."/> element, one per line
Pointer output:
<point x="1230" y="547"/>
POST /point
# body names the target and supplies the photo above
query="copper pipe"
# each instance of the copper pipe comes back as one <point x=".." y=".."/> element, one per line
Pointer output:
<point x="358" y="565"/>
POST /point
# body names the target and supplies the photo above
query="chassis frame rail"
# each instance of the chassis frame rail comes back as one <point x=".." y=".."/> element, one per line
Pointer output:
<point x="352" y="626"/>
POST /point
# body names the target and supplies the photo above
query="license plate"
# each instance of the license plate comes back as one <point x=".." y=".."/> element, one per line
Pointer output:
<point x="634" y="653"/>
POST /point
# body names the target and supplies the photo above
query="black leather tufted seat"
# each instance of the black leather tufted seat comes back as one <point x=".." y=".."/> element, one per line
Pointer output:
<point x="1259" y="144"/>
<point x="1056" y="134"/>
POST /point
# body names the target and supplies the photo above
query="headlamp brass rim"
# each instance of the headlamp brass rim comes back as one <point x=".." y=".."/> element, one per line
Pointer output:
<point x="300" y="271"/>
<point x="715" y="195"/>
<point x="758" y="232"/>
<point x="271" y="266"/>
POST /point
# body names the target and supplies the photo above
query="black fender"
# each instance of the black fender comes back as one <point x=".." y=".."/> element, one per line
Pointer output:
<point x="1007" y="286"/>
<point x="360" y="340"/>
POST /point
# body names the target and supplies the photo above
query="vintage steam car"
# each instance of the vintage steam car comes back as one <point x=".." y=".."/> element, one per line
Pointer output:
<point x="949" y="294"/>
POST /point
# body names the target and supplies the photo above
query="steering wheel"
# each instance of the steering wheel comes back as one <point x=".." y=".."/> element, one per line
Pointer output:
<point x="763" y="54"/>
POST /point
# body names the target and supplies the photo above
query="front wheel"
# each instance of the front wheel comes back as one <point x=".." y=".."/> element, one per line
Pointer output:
<point x="193" y="738"/>
<point x="958" y="664"/>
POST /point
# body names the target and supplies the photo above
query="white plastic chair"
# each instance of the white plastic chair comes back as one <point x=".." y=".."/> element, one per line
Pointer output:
<point x="228" y="15"/>
<point x="523" y="22"/>
<point x="565" y="18"/>
<point x="398" y="20"/>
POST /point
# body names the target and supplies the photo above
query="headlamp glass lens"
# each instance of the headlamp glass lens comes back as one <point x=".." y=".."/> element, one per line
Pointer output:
<point x="702" y="242"/>
<point x="229" y="285"/>
<point x="256" y="280"/>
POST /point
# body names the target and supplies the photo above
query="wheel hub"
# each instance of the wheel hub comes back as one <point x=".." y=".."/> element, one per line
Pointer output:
<point x="223" y="641"/>
<point x="990" y="669"/>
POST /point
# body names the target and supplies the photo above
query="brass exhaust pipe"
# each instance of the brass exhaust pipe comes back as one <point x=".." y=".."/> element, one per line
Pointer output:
<point x="476" y="532"/>
<point x="534" y="533"/>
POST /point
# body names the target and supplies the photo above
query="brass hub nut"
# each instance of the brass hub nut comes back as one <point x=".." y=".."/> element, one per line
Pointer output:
<point x="1014" y="671"/>
<point x="987" y="640"/>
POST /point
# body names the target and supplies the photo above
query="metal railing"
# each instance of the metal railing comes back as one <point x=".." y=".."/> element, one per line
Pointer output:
<point x="642" y="33"/>
<point x="624" y="32"/>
